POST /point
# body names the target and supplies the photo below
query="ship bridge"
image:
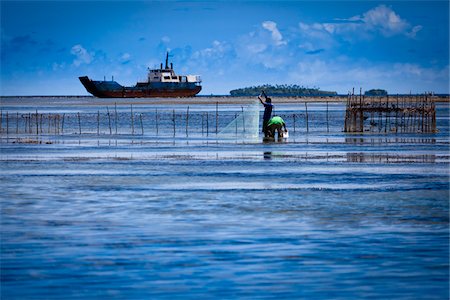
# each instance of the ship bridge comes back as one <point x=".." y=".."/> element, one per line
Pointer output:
<point x="167" y="74"/>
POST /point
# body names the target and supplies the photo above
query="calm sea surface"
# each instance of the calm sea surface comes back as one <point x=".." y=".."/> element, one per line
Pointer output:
<point x="137" y="207"/>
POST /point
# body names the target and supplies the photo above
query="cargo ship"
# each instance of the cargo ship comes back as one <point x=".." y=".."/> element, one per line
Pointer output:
<point x="162" y="82"/>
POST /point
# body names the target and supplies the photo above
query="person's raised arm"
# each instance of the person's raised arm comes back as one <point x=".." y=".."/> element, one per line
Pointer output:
<point x="260" y="100"/>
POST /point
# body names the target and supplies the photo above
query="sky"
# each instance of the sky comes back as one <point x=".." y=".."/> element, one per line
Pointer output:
<point x="399" y="46"/>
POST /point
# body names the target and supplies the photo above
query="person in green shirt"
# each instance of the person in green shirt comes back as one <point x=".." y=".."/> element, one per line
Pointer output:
<point x="276" y="123"/>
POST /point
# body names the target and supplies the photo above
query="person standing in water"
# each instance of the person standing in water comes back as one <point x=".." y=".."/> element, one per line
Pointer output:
<point x="267" y="111"/>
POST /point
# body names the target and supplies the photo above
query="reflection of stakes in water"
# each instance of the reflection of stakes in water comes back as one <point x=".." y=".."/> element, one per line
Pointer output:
<point x="17" y="123"/>
<point x="7" y="124"/>
<point x="142" y="125"/>
<point x="328" y="128"/>
<point x="207" y="124"/>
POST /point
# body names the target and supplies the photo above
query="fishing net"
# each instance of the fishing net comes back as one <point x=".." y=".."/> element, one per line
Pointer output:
<point x="245" y="126"/>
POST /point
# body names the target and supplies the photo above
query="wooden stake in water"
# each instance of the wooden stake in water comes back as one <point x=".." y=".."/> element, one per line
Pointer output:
<point x="203" y="122"/>
<point x="115" y="115"/>
<point x="62" y="126"/>
<point x="243" y="118"/>
<point x="79" y="123"/>
<point x="235" y="122"/>
<point x="98" y="122"/>
<point x="187" y="121"/>
<point x="37" y="123"/>
<point x="173" y="121"/>
<point x="306" y="109"/>
<point x="217" y="116"/>
<point x="294" y="117"/>
<point x="109" y="120"/>
<point x="207" y="123"/>
<point x="156" y="120"/>
<point x="132" y="120"/>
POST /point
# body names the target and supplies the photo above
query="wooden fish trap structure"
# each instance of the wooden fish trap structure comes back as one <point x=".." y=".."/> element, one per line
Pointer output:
<point x="390" y="114"/>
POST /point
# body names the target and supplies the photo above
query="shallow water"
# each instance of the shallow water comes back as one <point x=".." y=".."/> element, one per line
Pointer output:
<point x="321" y="215"/>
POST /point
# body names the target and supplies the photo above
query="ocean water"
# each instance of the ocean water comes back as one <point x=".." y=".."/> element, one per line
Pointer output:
<point x="157" y="213"/>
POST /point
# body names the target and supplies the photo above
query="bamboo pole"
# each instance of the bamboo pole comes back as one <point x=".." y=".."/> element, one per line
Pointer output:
<point x="62" y="125"/>
<point x="207" y="124"/>
<point x="79" y="123"/>
<point x="115" y="115"/>
<point x="49" y="122"/>
<point x="132" y="120"/>
<point x="235" y="124"/>
<point x="37" y="123"/>
<point x="156" y="120"/>
<point x="29" y="123"/>
<point x="98" y="122"/>
<point x="293" y="116"/>
<point x="173" y="120"/>
<point x="243" y="118"/>
<point x="306" y="109"/>
<point x="109" y="120"/>
<point x="217" y="116"/>
<point x="187" y="121"/>
<point x="203" y="122"/>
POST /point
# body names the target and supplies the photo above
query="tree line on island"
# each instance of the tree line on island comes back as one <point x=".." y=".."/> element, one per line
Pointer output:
<point x="284" y="90"/>
<point x="293" y="90"/>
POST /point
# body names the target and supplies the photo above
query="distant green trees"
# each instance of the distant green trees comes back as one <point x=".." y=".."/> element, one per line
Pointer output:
<point x="376" y="92"/>
<point x="283" y="90"/>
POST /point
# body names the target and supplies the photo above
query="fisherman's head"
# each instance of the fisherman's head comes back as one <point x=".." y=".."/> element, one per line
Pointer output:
<point x="268" y="100"/>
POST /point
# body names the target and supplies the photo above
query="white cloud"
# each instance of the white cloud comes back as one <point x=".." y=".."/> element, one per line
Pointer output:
<point x="125" y="58"/>
<point x="379" y="20"/>
<point x="82" y="55"/>
<point x="277" y="38"/>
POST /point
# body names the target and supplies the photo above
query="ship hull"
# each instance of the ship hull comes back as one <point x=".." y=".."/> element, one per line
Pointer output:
<point x="111" y="89"/>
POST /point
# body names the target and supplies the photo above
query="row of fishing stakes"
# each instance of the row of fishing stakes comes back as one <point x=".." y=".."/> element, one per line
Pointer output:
<point x="48" y="123"/>
<point x="408" y="114"/>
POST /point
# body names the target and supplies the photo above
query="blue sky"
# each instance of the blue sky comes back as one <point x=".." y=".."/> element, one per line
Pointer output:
<point x="400" y="46"/>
